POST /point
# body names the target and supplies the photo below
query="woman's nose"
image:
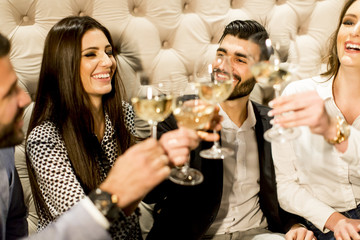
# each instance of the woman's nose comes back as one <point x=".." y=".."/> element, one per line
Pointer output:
<point x="23" y="98"/>
<point x="106" y="61"/>
<point x="356" y="30"/>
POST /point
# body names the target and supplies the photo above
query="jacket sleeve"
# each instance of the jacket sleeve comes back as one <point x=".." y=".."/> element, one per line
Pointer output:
<point x="77" y="223"/>
<point x="16" y="223"/>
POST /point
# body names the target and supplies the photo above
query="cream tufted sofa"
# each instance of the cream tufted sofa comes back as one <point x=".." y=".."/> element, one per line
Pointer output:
<point x="167" y="36"/>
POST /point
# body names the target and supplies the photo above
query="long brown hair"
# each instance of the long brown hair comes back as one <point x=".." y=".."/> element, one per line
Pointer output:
<point x="61" y="99"/>
<point x="4" y="46"/>
<point x="333" y="63"/>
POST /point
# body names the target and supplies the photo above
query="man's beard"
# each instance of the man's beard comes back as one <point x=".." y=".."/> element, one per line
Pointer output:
<point x="242" y="89"/>
<point x="10" y="135"/>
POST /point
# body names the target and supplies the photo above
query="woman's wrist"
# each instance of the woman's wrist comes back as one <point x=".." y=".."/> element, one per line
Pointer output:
<point x="330" y="132"/>
<point x="107" y="186"/>
<point x="338" y="131"/>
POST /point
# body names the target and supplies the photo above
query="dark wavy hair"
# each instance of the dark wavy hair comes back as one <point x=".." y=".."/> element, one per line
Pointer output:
<point x="332" y="57"/>
<point x="61" y="99"/>
<point x="244" y="29"/>
<point x="4" y="46"/>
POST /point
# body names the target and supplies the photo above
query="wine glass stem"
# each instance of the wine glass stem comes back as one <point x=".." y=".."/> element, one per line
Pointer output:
<point x="216" y="143"/>
<point x="153" y="130"/>
<point x="185" y="168"/>
<point x="277" y="89"/>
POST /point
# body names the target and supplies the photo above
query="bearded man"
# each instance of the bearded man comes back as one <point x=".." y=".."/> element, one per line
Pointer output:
<point x="237" y="199"/>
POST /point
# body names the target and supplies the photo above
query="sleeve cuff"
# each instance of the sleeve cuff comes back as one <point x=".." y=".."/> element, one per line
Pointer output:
<point x="95" y="213"/>
<point x="323" y="221"/>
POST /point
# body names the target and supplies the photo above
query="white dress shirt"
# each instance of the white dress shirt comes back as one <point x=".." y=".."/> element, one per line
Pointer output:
<point x="240" y="208"/>
<point x="313" y="179"/>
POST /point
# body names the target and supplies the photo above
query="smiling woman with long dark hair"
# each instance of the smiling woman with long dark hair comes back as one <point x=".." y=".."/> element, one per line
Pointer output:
<point x="80" y="122"/>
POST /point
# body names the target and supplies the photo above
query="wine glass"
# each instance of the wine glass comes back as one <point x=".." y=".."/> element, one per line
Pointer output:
<point x="190" y="112"/>
<point x="215" y="86"/>
<point x="151" y="103"/>
<point x="268" y="68"/>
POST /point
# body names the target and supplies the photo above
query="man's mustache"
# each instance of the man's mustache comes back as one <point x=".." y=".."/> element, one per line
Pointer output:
<point x="237" y="77"/>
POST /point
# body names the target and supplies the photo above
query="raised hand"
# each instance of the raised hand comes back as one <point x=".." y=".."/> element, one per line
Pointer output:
<point x="178" y="143"/>
<point x="136" y="172"/>
<point x="307" y="109"/>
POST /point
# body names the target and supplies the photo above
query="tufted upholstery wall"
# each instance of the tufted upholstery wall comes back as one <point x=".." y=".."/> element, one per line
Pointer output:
<point x="166" y="36"/>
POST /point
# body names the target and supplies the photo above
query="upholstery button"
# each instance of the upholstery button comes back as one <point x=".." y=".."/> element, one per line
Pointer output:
<point x="82" y="14"/>
<point x="26" y="18"/>
<point x="186" y="6"/>
<point x="165" y="44"/>
<point x="136" y="10"/>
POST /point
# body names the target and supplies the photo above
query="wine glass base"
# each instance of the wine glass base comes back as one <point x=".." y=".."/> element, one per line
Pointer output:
<point x="189" y="177"/>
<point x="216" y="153"/>
<point x="281" y="135"/>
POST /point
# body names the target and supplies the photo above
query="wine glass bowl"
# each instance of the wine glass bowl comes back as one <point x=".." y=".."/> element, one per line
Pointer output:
<point x="270" y="74"/>
<point x="152" y="105"/>
<point x="216" y="92"/>
<point x="192" y="113"/>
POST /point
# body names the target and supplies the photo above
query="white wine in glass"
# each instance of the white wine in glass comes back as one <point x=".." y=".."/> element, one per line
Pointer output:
<point x="152" y="105"/>
<point x="216" y="92"/>
<point x="193" y="114"/>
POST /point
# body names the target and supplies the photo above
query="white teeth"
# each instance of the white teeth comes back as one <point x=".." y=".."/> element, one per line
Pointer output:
<point x="107" y="75"/>
<point x="352" y="46"/>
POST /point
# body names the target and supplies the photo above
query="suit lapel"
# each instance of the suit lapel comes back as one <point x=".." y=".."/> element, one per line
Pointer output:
<point x="4" y="198"/>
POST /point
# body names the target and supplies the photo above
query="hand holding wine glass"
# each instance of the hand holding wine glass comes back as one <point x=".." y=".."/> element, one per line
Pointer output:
<point x="190" y="112"/>
<point x="216" y="84"/>
<point x="268" y="68"/>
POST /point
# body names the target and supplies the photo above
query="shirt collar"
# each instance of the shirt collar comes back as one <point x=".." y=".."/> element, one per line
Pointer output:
<point x="324" y="88"/>
<point x="249" y="122"/>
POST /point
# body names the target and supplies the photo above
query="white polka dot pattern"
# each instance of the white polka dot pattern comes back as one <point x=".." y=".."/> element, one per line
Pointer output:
<point x="129" y="117"/>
